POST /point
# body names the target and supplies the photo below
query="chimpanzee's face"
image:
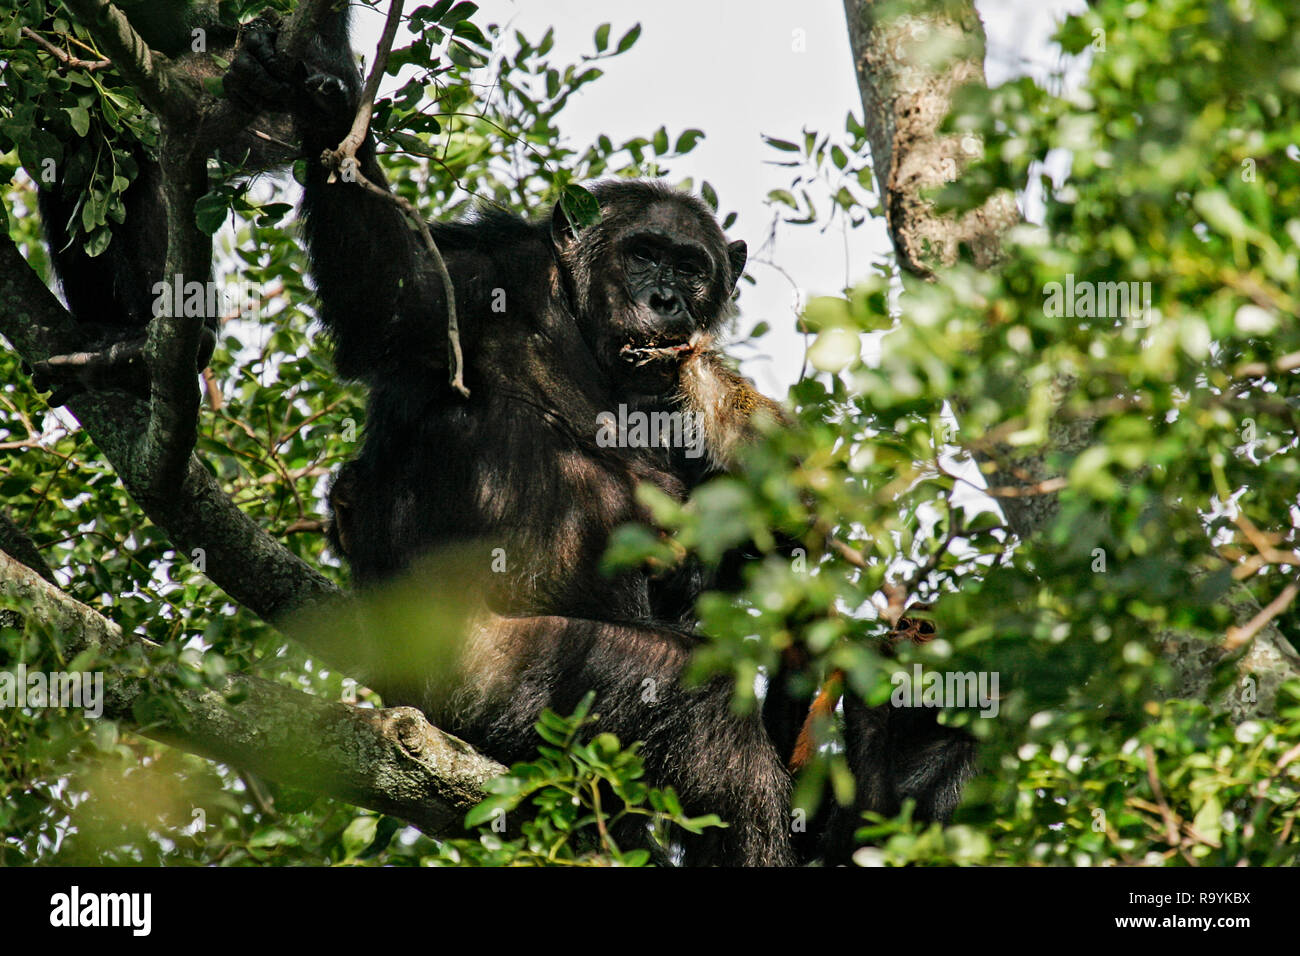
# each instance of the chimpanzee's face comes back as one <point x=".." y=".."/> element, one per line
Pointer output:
<point x="647" y="278"/>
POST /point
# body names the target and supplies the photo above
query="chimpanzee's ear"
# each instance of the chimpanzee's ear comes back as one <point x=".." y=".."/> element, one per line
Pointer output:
<point x="738" y="255"/>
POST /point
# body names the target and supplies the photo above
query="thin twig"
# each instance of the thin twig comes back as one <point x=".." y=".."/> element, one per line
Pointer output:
<point x="213" y="389"/>
<point x="65" y="58"/>
<point x="1265" y="544"/>
<point x="1048" y="486"/>
<point x="1171" y="824"/>
<point x="457" y="358"/>
<point x="1238" y="636"/>
<point x="1287" y="363"/>
<point x="850" y="554"/>
<point x="304" y="526"/>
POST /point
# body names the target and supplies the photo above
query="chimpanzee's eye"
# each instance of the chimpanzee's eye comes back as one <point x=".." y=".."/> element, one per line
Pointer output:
<point x="641" y="253"/>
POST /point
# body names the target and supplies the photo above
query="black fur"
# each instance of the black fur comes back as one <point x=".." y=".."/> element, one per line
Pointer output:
<point x="514" y="473"/>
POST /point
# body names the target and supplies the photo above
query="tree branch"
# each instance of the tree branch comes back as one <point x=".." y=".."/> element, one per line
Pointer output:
<point x="1237" y="636"/>
<point x="38" y="600"/>
<point x="392" y="760"/>
<point x="242" y="559"/>
<point x="170" y="93"/>
<point x="172" y="347"/>
<point x="67" y="60"/>
<point x="18" y="545"/>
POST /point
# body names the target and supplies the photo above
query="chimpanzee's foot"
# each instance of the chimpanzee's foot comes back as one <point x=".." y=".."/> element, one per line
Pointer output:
<point x="119" y="365"/>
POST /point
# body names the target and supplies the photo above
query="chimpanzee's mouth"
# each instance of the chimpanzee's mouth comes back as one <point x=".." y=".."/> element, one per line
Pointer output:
<point x="638" y="354"/>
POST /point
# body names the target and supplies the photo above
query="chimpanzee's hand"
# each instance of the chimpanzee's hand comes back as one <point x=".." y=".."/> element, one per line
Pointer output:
<point x="262" y="80"/>
<point x="330" y="94"/>
<point x="259" y="80"/>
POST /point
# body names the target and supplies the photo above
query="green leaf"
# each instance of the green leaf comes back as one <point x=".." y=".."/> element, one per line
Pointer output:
<point x="784" y="145"/>
<point x="210" y="212"/>
<point x="1221" y="214"/>
<point x="686" y="142"/>
<point x="629" y="39"/>
<point x="461" y="11"/>
<point x="580" y="206"/>
<point x="80" y="118"/>
<point x="98" y="241"/>
<point x="834" y="349"/>
<point x="488" y="810"/>
<point x="359" y="834"/>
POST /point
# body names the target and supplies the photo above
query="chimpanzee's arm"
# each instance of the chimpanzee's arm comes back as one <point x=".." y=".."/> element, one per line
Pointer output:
<point x="380" y="298"/>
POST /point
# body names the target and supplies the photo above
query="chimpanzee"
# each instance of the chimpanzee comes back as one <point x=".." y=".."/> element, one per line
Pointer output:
<point x="560" y="326"/>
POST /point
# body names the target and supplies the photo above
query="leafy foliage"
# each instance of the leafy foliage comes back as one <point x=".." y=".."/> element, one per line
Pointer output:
<point x="1166" y="432"/>
<point x="580" y="794"/>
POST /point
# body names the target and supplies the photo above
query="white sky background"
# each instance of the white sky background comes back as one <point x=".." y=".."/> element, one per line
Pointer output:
<point x="730" y="69"/>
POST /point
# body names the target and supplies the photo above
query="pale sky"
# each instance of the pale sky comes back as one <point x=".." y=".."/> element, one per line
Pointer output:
<point x="734" y="70"/>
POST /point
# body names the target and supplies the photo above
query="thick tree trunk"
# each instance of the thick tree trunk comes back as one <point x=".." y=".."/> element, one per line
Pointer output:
<point x="910" y="58"/>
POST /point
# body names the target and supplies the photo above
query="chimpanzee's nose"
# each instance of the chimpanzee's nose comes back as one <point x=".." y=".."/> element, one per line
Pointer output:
<point x="667" y="303"/>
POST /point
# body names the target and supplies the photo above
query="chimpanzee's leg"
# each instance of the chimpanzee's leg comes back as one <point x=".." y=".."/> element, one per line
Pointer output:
<point x="717" y="761"/>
